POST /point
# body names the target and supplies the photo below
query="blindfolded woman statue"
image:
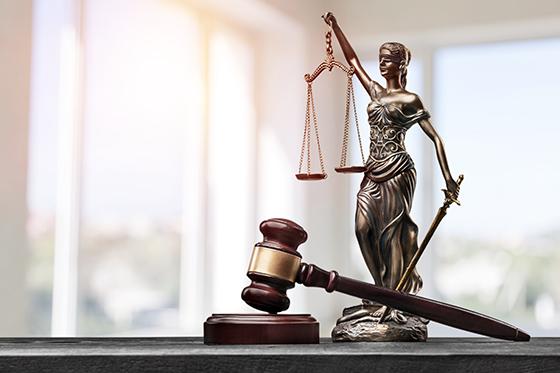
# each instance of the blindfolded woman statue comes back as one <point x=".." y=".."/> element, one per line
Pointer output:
<point x="385" y="231"/>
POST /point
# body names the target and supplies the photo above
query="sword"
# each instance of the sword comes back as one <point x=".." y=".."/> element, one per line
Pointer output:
<point x="448" y="201"/>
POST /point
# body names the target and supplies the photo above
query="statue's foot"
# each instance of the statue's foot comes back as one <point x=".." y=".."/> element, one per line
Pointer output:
<point x="396" y="316"/>
<point x="356" y="315"/>
<point x="365" y="315"/>
<point x="380" y="312"/>
<point x="359" y="311"/>
<point x="367" y="303"/>
<point x="367" y="318"/>
<point x="393" y="315"/>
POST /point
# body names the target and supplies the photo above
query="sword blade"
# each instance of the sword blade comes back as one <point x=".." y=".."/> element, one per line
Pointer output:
<point x="442" y="211"/>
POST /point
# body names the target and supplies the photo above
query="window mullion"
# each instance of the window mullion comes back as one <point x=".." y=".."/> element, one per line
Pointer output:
<point x="70" y="129"/>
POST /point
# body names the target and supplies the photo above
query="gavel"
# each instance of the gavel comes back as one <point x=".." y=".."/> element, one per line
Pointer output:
<point x="276" y="266"/>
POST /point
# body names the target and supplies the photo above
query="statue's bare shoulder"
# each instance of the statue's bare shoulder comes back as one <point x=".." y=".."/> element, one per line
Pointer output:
<point x="411" y="103"/>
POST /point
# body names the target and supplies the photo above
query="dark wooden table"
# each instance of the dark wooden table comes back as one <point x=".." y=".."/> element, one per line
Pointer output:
<point x="190" y="355"/>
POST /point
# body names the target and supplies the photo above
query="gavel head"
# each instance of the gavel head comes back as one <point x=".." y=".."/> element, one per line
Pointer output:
<point x="274" y="265"/>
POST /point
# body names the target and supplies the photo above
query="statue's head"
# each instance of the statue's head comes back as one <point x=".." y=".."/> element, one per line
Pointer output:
<point x="393" y="61"/>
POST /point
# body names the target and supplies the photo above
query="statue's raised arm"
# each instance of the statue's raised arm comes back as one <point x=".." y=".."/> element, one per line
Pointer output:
<point x="350" y="55"/>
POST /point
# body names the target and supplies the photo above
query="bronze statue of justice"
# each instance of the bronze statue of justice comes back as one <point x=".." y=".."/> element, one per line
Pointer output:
<point x="386" y="234"/>
<point x="390" y="310"/>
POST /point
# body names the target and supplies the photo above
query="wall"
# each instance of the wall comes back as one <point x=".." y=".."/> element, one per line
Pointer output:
<point x="15" y="57"/>
<point x="440" y="21"/>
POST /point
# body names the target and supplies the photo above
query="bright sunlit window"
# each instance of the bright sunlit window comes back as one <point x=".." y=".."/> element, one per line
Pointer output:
<point x="136" y="89"/>
<point x="498" y="253"/>
<point x="130" y="150"/>
<point x="231" y="164"/>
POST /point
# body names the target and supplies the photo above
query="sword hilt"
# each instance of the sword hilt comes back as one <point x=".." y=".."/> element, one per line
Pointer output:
<point x="450" y="197"/>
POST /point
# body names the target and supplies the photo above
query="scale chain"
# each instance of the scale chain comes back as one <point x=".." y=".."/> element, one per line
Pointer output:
<point x="328" y="37"/>
<point x="316" y="128"/>
<point x="356" y="120"/>
<point x="305" y="135"/>
<point x="345" y="136"/>
<point x="310" y="95"/>
<point x="350" y="100"/>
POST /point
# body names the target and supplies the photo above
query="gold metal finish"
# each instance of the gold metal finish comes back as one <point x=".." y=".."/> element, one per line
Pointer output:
<point x="275" y="263"/>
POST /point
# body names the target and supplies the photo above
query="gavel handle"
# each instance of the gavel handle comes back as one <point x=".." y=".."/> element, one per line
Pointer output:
<point x="443" y="313"/>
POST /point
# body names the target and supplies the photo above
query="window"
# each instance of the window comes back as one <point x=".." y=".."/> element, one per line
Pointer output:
<point x="231" y="164"/>
<point x="161" y="135"/>
<point x="142" y="167"/>
<point x="497" y="252"/>
<point x="139" y="59"/>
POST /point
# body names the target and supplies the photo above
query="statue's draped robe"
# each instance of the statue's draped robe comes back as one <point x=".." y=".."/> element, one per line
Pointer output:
<point x="386" y="234"/>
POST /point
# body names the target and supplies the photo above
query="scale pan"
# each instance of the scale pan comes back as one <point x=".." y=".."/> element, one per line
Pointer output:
<point x="317" y="176"/>
<point x="350" y="169"/>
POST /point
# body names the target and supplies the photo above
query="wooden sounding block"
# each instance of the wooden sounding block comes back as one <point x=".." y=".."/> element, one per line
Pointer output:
<point x="261" y="329"/>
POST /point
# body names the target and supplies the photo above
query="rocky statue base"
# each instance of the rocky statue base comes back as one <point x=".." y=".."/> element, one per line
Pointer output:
<point x="361" y="324"/>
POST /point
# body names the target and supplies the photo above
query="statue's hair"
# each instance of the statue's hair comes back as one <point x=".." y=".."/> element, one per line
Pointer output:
<point x="403" y="53"/>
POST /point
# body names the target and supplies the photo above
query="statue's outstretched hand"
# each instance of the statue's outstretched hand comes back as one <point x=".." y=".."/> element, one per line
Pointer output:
<point x="329" y="18"/>
<point x="453" y="188"/>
